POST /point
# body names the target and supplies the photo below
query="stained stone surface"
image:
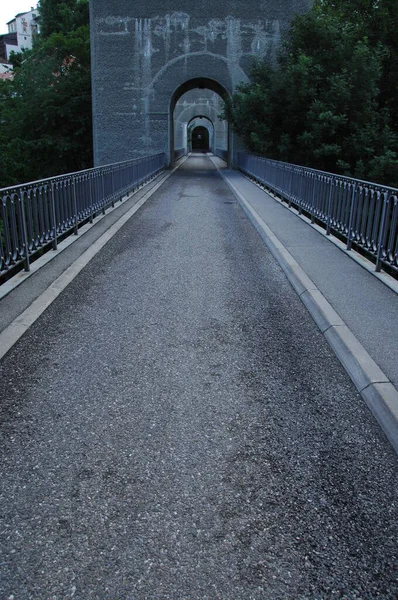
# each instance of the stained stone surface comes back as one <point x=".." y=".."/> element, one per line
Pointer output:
<point x="143" y="51"/>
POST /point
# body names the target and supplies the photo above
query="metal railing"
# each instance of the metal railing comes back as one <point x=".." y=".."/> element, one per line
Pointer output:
<point x="221" y="153"/>
<point x="34" y="215"/>
<point x="179" y="153"/>
<point x="362" y="213"/>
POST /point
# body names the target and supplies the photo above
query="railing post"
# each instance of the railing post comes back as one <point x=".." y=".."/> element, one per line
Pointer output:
<point x="300" y="199"/>
<point x="113" y="190"/>
<point x="54" y="218"/>
<point x="289" y="203"/>
<point x="24" y="232"/>
<point x="352" y="209"/>
<point x="76" y="225"/>
<point x="381" y="234"/>
<point x="328" y="227"/>
<point x="313" y="199"/>
<point x="119" y="174"/>
<point x="103" y="192"/>
<point x="32" y="212"/>
<point x="90" y="187"/>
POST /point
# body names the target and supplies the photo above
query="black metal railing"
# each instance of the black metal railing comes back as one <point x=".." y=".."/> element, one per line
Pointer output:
<point x="362" y="213"/>
<point x="34" y="215"/>
<point x="221" y="153"/>
<point x="179" y="153"/>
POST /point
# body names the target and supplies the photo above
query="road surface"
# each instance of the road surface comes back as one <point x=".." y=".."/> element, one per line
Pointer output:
<point x="175" y="426"/>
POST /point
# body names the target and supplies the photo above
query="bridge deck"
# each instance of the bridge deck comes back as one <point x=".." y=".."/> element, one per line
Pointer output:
<point x="175" y="426"/>
<point x="369" y="308"/>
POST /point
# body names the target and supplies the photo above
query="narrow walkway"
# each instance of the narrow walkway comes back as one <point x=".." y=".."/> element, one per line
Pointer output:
<point x="366" y="305"/>
<point x="175" y="426"/>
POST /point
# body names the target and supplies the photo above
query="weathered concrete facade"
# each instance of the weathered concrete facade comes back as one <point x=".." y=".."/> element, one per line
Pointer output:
<point x="145" y="55"/>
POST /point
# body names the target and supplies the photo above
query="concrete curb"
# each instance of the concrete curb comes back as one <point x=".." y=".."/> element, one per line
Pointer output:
<point x="12" y="333"/>
<point x="20" y="277"/>
<point x="361" y="260"/>
<point x="374" y="386"/>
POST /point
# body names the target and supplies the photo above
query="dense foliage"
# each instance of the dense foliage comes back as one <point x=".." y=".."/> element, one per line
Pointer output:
<point x="45" y="112"/>
<point x="331" y="102"/>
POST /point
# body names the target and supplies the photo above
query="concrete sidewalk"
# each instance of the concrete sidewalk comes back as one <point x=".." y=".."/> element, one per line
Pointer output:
<point x="366" y="305"/>
<point x="21" y="291"/>
<point x="355" y="308"/>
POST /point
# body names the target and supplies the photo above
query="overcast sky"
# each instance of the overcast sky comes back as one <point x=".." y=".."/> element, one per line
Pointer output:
<point x="10" y="8"/>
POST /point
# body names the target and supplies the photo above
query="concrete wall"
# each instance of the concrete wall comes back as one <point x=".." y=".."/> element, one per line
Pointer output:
<point x="142" y="52"/>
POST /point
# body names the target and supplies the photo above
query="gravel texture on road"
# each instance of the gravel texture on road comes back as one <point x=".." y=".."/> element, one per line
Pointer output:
<point x="175" y="426"/>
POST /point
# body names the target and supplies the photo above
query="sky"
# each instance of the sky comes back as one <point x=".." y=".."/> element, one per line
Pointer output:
<point x="10" y="8"/>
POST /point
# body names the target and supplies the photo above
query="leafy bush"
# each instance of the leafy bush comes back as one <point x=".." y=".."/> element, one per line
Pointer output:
<point x="328" y="103"/>
<point x="45" y="112"/>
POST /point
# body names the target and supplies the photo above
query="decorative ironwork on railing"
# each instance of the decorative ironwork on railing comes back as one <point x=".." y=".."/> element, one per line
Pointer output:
<point x="221" y="153"/>
<point x="34" y="215"/>
<point x="362" y="213"/>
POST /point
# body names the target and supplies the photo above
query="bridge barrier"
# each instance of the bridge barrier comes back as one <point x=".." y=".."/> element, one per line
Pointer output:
<point x="221" y="153"/>
<point x="179" y="153"/>
<point x="33" y="216"/>
<point x="362" y="213"/>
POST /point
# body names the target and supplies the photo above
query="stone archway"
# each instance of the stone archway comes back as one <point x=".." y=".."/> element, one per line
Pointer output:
<point x="143" y="52"/>
<point x="199" y="103"/>
<point x="192" y="84"/>
<point x="198" y="123"/>
<point x="200" y="139"/>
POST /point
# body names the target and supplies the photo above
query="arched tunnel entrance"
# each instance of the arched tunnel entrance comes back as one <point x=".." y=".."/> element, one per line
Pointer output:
<point x="200" y="139"/>
<point x="201" y="134"/>
<point x="195" y="122"/>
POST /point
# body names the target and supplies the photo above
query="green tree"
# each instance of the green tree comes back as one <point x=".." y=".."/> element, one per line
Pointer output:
<point x="326" y="104"/>
<point x="13" y="150"/>
<point x="378" y="21"/>
<point x="62" y="16"/>
<point x="45" y="112"/>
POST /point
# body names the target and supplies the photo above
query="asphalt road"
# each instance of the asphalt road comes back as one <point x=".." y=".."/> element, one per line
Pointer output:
<point x="175" y="426"/>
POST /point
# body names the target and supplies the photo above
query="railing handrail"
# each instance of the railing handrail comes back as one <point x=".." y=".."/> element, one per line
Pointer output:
<point x="34" y="215"/>
<point x="363" y="213"/>
<point x="373" y="184"/>
<point x="37" y="182"/>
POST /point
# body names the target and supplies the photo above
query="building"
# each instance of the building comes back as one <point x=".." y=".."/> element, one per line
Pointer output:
<point x="21" y="32"/>
<point x="5" y="70"/>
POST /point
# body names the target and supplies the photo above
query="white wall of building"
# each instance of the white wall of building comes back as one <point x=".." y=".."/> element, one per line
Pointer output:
<point x="4" y="68"/>
<point x="26" y="28"/>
